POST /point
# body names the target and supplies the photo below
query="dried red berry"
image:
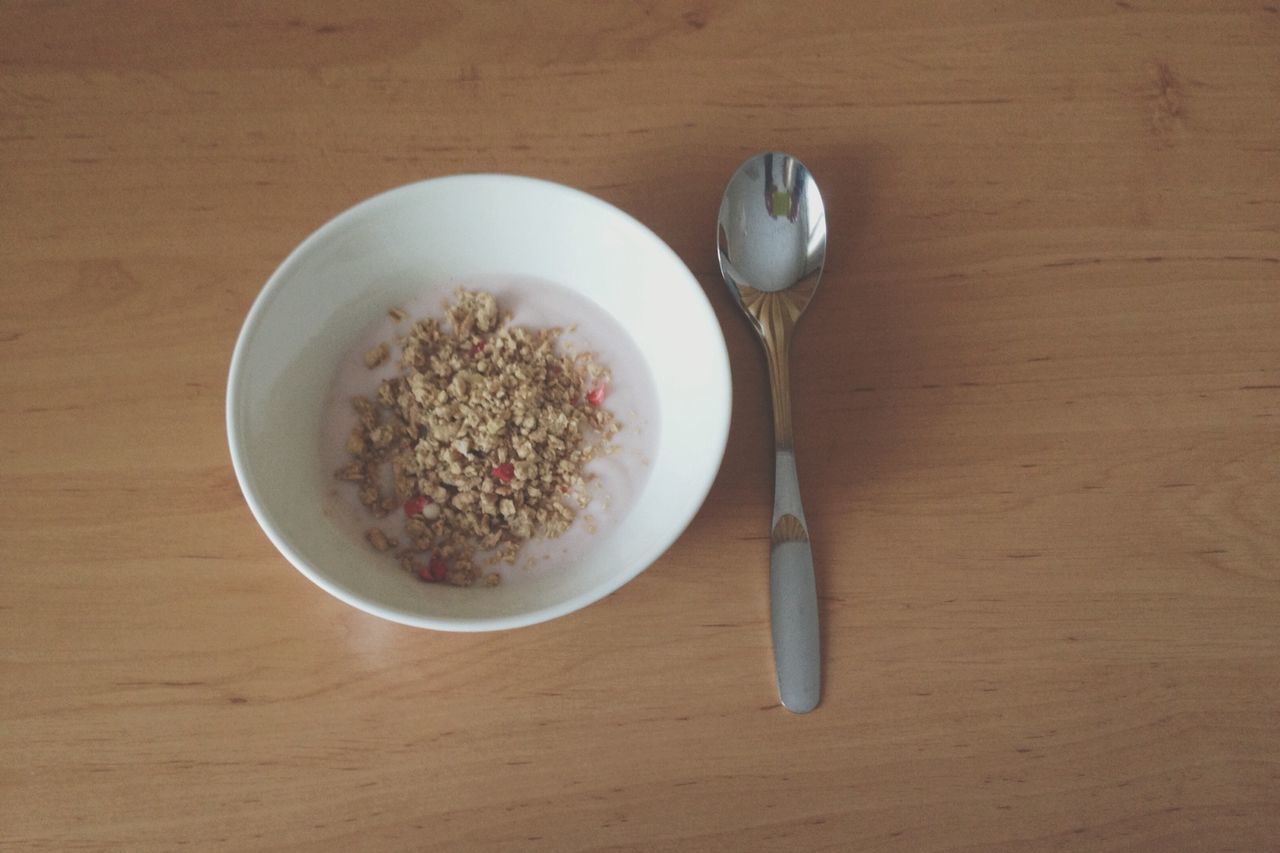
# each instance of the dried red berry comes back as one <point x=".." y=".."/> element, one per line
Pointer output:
<point x="433" y="571"/>
<point x="414" y="506"/>
<point x="504" y="472"/>
<point x="478" y="346"/>
<point x="596" y="395"/>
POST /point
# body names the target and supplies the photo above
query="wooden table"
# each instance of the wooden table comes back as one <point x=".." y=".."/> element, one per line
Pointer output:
<point x="1038" y="402"/>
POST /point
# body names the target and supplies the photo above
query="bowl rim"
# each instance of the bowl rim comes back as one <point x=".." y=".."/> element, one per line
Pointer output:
<point x="239" y="456"/>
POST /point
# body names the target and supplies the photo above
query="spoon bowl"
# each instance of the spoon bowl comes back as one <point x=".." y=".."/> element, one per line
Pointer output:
<point x="772" y="229"/>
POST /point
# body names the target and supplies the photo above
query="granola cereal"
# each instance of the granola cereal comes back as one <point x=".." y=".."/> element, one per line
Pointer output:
<point x="478" y="443"/>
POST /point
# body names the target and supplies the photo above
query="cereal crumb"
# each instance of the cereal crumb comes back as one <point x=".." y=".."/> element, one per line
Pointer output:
<point x="378" y="539"/>
<point x="377" y="356"/>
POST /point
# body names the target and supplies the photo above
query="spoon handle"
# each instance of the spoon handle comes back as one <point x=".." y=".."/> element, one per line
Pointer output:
<point x="793" y="597"/>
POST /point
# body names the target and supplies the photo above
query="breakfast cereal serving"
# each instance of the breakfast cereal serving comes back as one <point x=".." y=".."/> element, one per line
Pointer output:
<point x="478" y="443"/>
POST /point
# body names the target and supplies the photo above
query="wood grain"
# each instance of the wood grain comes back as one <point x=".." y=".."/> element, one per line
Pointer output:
<point x="1036" y="400"/>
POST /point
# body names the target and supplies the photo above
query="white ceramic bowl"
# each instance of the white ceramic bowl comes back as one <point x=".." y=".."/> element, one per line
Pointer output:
<point x="378" y="254"/>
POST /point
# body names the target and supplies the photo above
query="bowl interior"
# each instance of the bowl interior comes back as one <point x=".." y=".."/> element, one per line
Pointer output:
<point x="383" y="252"/>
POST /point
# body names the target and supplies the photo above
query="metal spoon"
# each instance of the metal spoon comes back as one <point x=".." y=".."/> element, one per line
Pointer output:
<point x="772" y="241"/>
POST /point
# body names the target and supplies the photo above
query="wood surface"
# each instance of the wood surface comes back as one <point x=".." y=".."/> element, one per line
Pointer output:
<point x="1037" y="398"/>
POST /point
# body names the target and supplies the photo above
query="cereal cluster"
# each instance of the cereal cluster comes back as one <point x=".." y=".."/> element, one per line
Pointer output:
<point x="481" y="439"/>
